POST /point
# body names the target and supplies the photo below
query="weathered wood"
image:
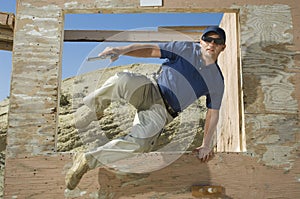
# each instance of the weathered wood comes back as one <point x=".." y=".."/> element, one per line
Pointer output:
<point x="273" y="137"/>
<point x="230" y="131"/>
<point x="117" y="9"/>
<point x="6" y="35"/>
<point x="35" y="81"/>
<point x="183" y="28"/>
<point x="43" y="177"/>
<point x="235" y="172"/>
<point x="163" y="34"/>
<point x="3" y="18"/>
<point x="129" y="36"/>
<point x="267" y="61"/>
<point x="6" y="46"/>
<point x="7" y="21"/>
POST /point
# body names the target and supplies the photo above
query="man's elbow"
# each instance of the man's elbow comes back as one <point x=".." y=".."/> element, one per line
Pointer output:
<point x="155" y="52"/>
<point x="214" y="113"/>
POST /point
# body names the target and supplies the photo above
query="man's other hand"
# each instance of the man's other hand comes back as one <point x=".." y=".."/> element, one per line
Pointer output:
<point x="204" y="154"/>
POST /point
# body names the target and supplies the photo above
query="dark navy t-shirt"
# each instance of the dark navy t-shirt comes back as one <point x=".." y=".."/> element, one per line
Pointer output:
<point x="185" y="78"/>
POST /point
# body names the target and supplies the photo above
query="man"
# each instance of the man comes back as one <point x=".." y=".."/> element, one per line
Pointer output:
<point x="191" y="71"/>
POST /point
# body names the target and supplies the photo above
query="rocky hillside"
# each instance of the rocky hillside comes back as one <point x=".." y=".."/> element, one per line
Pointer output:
<point x="184" y="133"/>
<point x="3" y="130"/>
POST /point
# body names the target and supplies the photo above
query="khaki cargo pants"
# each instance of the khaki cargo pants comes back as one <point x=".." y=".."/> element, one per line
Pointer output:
<point x="151" y="117"/>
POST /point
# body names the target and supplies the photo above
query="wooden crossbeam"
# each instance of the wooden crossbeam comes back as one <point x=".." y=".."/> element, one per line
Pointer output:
<point x="7" y="21"/>
<point x="129" y="36"/>
<point x="163" y="34"/>
<point x="5" y="45"/>
<point x="6" y="34"/>
<point x="183" y="28"/>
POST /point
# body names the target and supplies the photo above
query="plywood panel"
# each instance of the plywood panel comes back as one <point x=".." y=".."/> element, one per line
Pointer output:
<point x="267" y="60"/>
<point x="241" y="176"/>
<point x="35" y="80"/>
<point x="43" y="177"/>
<point x="271" y="107"/>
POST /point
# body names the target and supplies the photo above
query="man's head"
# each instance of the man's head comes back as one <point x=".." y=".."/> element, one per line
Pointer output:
<point x="215" y="29"/>
<point x="212" y="42"/>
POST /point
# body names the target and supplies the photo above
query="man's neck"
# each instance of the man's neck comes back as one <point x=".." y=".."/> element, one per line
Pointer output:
<point x="208" y="60"/>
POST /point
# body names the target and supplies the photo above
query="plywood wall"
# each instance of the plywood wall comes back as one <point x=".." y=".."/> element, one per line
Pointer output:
<point x="268" y="67"/>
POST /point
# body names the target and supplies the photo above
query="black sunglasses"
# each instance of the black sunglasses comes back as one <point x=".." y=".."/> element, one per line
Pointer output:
<point x="218" y="41"/>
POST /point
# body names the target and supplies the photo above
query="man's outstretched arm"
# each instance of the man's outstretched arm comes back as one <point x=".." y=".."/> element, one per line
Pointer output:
<point x="205" y="151"/>
<point x="134" y="50"/>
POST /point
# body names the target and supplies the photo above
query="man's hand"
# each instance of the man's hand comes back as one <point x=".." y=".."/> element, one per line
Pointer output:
<point x="133" y="50"/>
<point x="110" y="51"/>
<point x="204" y="154"/>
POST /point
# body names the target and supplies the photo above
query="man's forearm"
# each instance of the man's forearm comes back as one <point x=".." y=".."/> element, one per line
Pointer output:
<point x="211" y="121"/>
<point x="140" y="50"/>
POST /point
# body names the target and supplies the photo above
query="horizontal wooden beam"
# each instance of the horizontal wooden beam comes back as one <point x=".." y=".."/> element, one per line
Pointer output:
<point x="7" y="21"/>
<point x="117" y="10"/>
<point x="129" y="36"/>
<point x="6" y="34"/>
<point x="6" y="45"/>
<point x="183" y="28"/>
<point x="242" y="176"/>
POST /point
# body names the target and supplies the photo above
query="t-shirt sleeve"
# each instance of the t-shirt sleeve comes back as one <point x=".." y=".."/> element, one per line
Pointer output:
<point x="173" y="50"/>
<point x="214" y="100"/>
<point x="166" y="50"/>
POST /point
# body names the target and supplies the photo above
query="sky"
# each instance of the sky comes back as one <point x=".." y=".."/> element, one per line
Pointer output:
<point x="75" y="53"/>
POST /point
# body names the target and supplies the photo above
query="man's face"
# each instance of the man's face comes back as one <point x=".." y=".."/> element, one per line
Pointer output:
<point x="211" y="45"/>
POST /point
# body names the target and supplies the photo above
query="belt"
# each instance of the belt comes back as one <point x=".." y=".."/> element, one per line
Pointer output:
<point x="167" y="105"/>
<point x="170" y="109"/>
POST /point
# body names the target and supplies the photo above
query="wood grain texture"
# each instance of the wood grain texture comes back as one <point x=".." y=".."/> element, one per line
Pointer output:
<point x="35" y="81"/>
<point x="6" y="45"/>
<point x="271" y="108"/>
<point x="241" y="176"/>
<point x="230" y="131"/>
<point x="43" y="177"/>
<point x="129" y="36"/>
<point x="266" y="59"/>
<point x="7" y="21"/>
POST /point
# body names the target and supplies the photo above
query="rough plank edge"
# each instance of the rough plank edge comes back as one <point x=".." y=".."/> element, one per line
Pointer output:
<point x="46" y="175"/>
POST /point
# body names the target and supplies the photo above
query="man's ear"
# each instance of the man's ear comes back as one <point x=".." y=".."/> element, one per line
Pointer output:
<point x="224" y="47"/>
<point x="200" y="44"/>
